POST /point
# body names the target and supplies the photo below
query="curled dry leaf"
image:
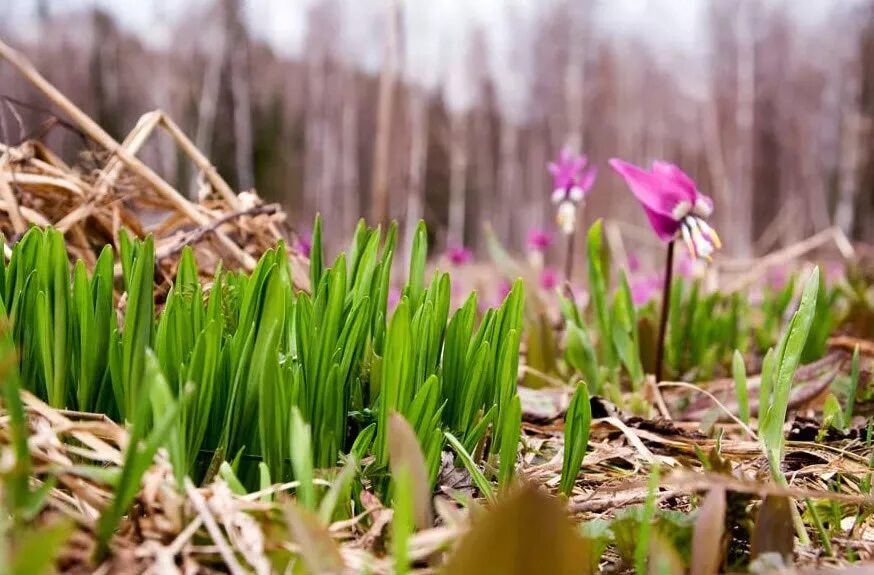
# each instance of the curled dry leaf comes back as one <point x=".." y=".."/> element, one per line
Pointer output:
<point x="319" y="551"/>
<point x="774" y="531"/>
<point x="404" y="450"/>
<point x="707" y="535"/>
<point x="526" y="532"/>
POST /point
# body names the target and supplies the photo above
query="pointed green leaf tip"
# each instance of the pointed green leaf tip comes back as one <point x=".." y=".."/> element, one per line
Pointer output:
<point x="316" y="255"/>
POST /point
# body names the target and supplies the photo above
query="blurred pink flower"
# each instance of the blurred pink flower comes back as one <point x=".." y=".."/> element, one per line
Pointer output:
<point x="581" y="296"/>
<point x="571" y="180"/>
<point x="644" y="289"/>
<point x="549" y="279"/>
<point x="673" y="205"/>
<point x="303" y="245"/>
<point x="539" y="239"/>
<point x="686" y="267"/>
<point x="777" y="277"/>
<point x="458" y="255"/>
<point x="394" y="297"/>
<point x="633" y="262"/>
<point x="457" y="290"/>
<point x="504" y="287"/>
<point x="835" y="272"/>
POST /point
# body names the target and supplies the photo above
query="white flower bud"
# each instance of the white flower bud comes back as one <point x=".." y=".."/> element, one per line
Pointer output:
<point x="566" y="218"/>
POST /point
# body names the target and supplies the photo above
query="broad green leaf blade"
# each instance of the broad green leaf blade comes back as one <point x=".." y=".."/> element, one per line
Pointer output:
<point x="739" y="374"/>
<point x="576" y="437"/>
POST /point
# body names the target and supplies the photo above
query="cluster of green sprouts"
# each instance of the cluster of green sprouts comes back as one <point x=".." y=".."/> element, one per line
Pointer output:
<point x="256" y="381"/>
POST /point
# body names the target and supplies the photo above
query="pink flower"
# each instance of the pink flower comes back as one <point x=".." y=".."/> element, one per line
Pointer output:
<point x="673" y="205"/>
<point x="504" y="288"/>
<point x="571" y="180"/>
<point x="539" y="239"/>
<point x="686" y="267"/>
<point x="459" y="255"/>
<point x="394" y="297"/>
<point x="549" y="279"/>
<point x="834" y="272"/>
<point x="644" y="289"/>
<point x="633" y="262"/>
<point x="303" y="245"/>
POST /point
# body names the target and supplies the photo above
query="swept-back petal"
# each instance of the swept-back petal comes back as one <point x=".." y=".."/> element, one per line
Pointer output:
<point x="675" y="175"/>
<point x="665" y="227"/>
<point x="657" y="192"/>
<point x="702" y="205"/>
<point x="587" y="179"/>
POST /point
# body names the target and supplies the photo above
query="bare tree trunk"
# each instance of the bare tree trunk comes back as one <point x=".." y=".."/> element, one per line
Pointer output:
<point x="850" y="141"/>
<point x="349" y="151"/>
<point x="574" y="83"/>
<point x="209" y="94"/>
<point x="509" y="180"/>
<point x="315" y="128"/>
<point x="742" y="196"/>
<point x="418" y="102"/>
<point x="387" y="80"/>
<point x="242" y="111"/>
<point x="161" y="88"/>
<point x="715" y="157"/>
<point x="484" y="171"/>
<point x="457" y="176"/>
<point x="537" y="193"/>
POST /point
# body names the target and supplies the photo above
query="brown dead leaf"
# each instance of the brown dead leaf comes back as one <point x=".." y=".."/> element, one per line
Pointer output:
<point x="405" y="451"/>
<point x="526" y="532"/>
<point x="708" y="532"/>
<point x="319" y="551"/>
<point x="774" y="531"/>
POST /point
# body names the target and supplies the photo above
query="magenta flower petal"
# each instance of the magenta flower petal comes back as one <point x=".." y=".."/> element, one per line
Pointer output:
<point x="303" y="245"/>
<point x="665" y="227"/>
<point x="504" y="288"/>
<point x="566" y="171"/>
<point x="633" y="262"/>
<point x="459" y="255"/>
<point x="549" y="279"/>
<point x="587" y="180"/>
<point x="394" y="297"/>
<point x="675" y="175"/>
<point x="539" y="239"/>
<point x="657" y="192"/>
<point x="645" y="289"/>
<point x="702" y="205"/>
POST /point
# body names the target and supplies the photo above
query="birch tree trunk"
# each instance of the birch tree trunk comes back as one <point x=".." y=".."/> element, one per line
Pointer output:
<point x="574" y="85"/>
<point x="509" y="181"/>
<point x="314" y="129"/>
<point x="418" y="102"/>
<point x="209" y="94"/>
<point x="385" y="110"/>
<point x="850" y="140"/>
<point x="240" y="91"/>
<point x="457" y="177"/>
<point x="741" y="198"/>
<point x="484" y="171"/>
<point x="349" y="151"/>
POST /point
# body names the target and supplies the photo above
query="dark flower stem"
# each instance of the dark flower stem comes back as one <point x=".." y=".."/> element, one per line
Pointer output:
<point x="569" y="258"/>
<point x="663" y="321"/>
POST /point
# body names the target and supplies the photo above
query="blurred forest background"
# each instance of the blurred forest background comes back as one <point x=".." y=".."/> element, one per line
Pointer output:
<point x="450" y="110"/>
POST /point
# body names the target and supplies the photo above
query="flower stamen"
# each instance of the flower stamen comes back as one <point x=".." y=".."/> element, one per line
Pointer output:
<point x="701" y="240"/>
